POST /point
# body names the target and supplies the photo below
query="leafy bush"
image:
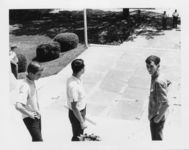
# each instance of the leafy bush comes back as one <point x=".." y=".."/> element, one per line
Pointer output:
<point x="67" y="41"/>
<point x="22" y="63"/>
<point x="48" y="51"/>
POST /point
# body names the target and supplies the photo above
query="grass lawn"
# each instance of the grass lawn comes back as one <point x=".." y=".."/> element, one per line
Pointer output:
<point x="27" y="46"/>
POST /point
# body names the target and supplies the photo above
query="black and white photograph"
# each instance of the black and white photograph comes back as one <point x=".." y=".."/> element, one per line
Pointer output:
<point x="108" y="77"/>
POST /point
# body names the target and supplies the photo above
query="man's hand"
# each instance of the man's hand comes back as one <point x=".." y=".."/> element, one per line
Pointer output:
<point x="38" y="115"/>
<point x="34" y="115"/>
<point x="157" y="119"/>
<point x="83" y="125"/>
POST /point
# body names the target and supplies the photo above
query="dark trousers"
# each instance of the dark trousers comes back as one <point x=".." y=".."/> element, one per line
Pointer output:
<point x="157" y="129"/>
<point x="175" y="19"/>
<point x="34" y="128"/>
<point x="76" y="127"/>
<point x="164" y="23"/>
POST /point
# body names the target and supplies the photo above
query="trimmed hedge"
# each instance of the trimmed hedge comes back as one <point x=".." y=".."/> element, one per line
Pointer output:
<point x="48" y="51"/>
<point x="22" y="63"/>
<point x="67" y="41"/>
<point x="27" y="14"/>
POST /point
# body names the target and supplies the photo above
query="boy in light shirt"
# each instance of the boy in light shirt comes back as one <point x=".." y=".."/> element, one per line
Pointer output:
<point x="76" y="99"/>
<point x="27" y="102"/>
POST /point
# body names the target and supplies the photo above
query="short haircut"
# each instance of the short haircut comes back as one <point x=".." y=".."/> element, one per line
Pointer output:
<point x="34" y="67"/>
<point x="77" y="65"/>
<point x="153" y="58"/>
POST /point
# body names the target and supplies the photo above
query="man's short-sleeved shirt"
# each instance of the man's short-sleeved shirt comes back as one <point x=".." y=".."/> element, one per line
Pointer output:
<point x="158" y="95"/>
<point x="28" y="96"/>
<point x="75" y="93"/>
<point x="175" y="14"/>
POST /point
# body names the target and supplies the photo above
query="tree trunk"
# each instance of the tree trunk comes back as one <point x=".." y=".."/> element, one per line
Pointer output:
<point x="126" y="13"/>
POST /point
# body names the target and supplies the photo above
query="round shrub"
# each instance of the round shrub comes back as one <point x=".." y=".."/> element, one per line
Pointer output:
<point x="67" y="41"/>
<point x="48" y="51"/>
<point x="22" y="63"/>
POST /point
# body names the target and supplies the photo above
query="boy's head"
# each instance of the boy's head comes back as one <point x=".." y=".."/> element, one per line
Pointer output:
<point x="77" y="66"/>
<point x="34" y="70"/>
<point x="152" y="64"/>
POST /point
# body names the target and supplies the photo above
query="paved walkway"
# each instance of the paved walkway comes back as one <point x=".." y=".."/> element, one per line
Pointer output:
<point x="117" y="86"/>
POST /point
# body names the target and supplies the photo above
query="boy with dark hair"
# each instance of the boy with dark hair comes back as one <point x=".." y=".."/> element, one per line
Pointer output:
<point x="158" y="100"/>
<point x="76" y="99"/>
<point x="27" y="103"/>
<point x="77" y="65"/>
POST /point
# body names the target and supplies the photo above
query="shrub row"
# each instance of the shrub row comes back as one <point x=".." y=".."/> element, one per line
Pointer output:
<point x="22" y="63"/>
<point x="67" y="41"/>
<point x="61" y="43"/>
<point x="49" y="51"/>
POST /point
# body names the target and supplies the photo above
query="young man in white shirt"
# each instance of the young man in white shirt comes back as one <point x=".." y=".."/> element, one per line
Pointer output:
<point x="175" y="18"/>
<point x="27" y="102"/>
<point x="76" y="99"/>
<point x="164" y="20"/>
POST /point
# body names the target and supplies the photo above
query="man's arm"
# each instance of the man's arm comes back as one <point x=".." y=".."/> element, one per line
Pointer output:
<point x="162" y="110"/>
<point x="161" y="91"/>
<point x="21" y="107"/>
<point x="78" y="115"/>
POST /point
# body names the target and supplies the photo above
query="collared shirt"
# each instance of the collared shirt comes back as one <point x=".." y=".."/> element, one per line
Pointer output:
<point x="28" y="96"/>
<point x="75" y="93"/>
<point x="158" y="95"/>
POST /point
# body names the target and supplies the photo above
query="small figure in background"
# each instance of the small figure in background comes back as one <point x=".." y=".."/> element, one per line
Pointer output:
<point x="175" y="18"/>
<point x="164" y="20"/>
<point x="13" y="60"/>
